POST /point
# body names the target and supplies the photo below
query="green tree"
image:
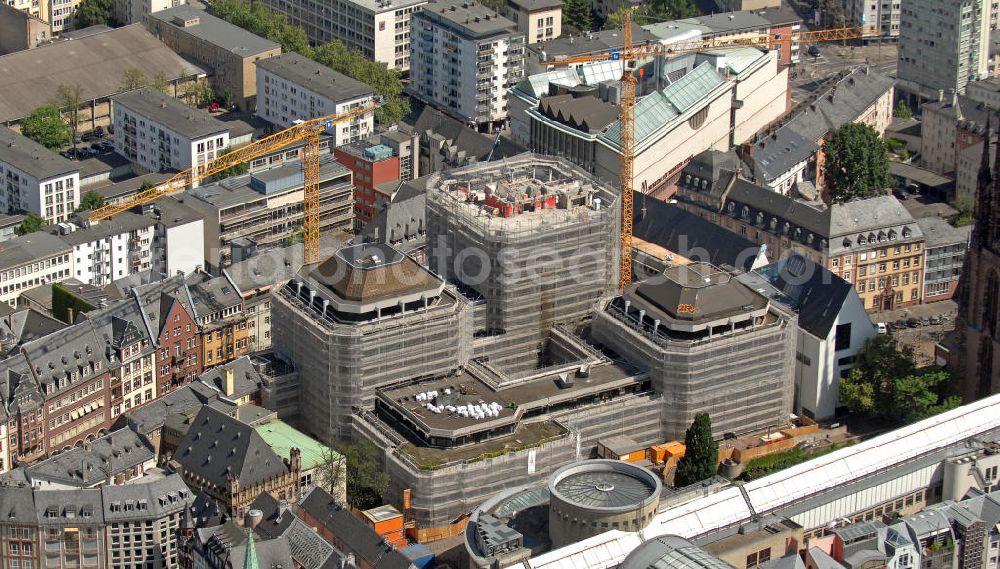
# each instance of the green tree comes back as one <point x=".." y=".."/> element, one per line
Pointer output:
<point x="199" y="93"/>
<point x="45" y="126"/>
<point x="902" y="110"/>
<point x="234" y="170"/>
<point x="671" y="9"/>
<point x="31" y="224"/>
<point x="701" y="454"/>
<point x="160" y="83"/>
<point x="385" y="82"/>
<point x="90" y="201"/>
<point x="331" y="471"/>
<point x="857" y="163"/>
<point x="253" y="16"/>
<point x="922" y="395"/>
<point x="579" y="14"/>
<point x="298" y="236"/>
<point x="92" y="13"/>
<point x="616" y="19"/>
<point x="69" y="97"/>
<point x="366" y="478"/>
<point x="132" y="78"/>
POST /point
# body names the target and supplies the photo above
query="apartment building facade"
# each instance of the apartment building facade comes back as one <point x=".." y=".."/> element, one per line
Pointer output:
<point x="229" y="50"/>
<point x="875" y="18"/>
<point x="946" y="249"/>
<point x="538" y="20"/>
<point x="267" y="207"/>
<point x="222" y="323"/>
<point x="32" y="260"/>
<point x="465" y="58"/>
<point x="942" y="46"/>
<point x="110" y="250"/>
<point x="169" y="310"/>
<point x="157" y="132"/>
<point x="379" y="29"/>
<point x="874" y="244"/>
<point x="291" y="87"/>
<point x="35" y="179"/>
<point x="372" y="166"/>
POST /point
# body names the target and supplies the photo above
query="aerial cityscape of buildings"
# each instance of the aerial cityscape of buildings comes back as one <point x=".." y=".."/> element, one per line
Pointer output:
<point x="478" y="284"/>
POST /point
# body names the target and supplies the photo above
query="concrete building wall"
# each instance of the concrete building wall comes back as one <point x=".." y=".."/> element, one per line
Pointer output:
<point x="127" y="12"/>
<point x="939" y="129"/>
<point x="181" y="248"/>
<point x="340" y="365"/>
<point x="19" y="30"/>
<point x="472" y="82"/>
<point x="283" y="102"/>
<point x="743" y="380"/>
<point x="16" y="278"/>
<point x="942" y="45"/>
<point x="152" y="146"/>
<point x="231" y="73"/>
<point x="537" y="26"/>
<point x="380" y="31"/>
<point x="762" y="102"/>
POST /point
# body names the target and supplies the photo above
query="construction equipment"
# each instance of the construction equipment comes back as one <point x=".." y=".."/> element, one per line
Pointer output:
<point x="626" y="109"/>
<point x="308" y="130"/>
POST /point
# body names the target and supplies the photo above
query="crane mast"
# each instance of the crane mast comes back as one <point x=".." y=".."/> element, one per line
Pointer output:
<point x="629" y="54"/>
<point x="308" y="131"/>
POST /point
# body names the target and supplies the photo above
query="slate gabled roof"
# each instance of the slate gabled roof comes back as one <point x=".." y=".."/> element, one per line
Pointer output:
<point x="217" y="445"/>
<point x="352" y="532"/>
<point x="680" y="231"/>
<point x="819" y="298"/>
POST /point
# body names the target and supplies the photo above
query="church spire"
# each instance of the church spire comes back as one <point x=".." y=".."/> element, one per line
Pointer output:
<point x="250" y="561"/>
<point x="985" y="188"/>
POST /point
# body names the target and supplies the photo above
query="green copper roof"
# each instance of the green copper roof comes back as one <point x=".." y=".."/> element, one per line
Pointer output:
<point x="250" y="560"/>
<point x="659" y="109"/>
<point x="282" y="438"/>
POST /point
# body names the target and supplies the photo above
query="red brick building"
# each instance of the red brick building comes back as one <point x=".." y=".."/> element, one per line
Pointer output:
<point x="59" y="388"/>
<point x="372" y="166"/>
<point x="178" y="341"/>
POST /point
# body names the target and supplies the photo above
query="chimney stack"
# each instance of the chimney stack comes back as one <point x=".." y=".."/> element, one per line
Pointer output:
<point x="229" y="381"/>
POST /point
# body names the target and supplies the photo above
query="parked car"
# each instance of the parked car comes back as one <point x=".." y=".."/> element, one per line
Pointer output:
<point x="87" y="137"/>
<point x="925" y="321"/>
<point x="883" y="328"/>
<point x="912" y="322"/>
<point x="67" y="154"/>
<point x="936" y="320"/>
<point x="99" y="132"/>
<point x="814" y="51"/>
<point x="106" y="146"/>
<point x="901" y="194"/>
<point x="899" y="324"/>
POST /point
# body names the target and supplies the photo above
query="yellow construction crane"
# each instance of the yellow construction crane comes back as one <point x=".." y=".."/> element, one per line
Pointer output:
<point x="308" y="130"/>
<point x="626" y="109"/>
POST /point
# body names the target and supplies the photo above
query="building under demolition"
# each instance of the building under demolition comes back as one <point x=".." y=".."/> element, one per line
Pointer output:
<point x="455" y="439"/>
<point x="710" y="343"/>
<point x="533" y="240"/>
<point x="364" y="318"/>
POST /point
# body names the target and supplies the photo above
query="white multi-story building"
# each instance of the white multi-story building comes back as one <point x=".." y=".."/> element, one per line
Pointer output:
<point x="178" y="238"/>
<point x="379" y="29"/>
<point x="157" y="132"/>
<point x="35" y="179"/>
<point x="111" y="249"/>
<point x="876" y="18"/>
<point x="291" y="87"/>
<point x="943" y="44"/>
<point x="32" y="260"/>
<point x="464" y="58"/>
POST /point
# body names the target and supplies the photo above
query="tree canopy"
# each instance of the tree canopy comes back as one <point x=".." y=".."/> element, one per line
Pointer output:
<point x="234" y="170"/>
<point x="657" y="10"/>
<point x="857" y="163"/>
<point x="69" y="97"/>
<point x="32" y="223"/>
<point x="132" y="78"/>
<point x="887" y="385"/>
<point x="366" y="479"/>
<point x="579" y="14"/>
<point x="701" y="455"/>
<point x="902" y="110"/>
<point x="254" y="16"/>
<point x="46" y="127"/>
<point x="93" y="12"/>
<point x="90" y="201"/>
